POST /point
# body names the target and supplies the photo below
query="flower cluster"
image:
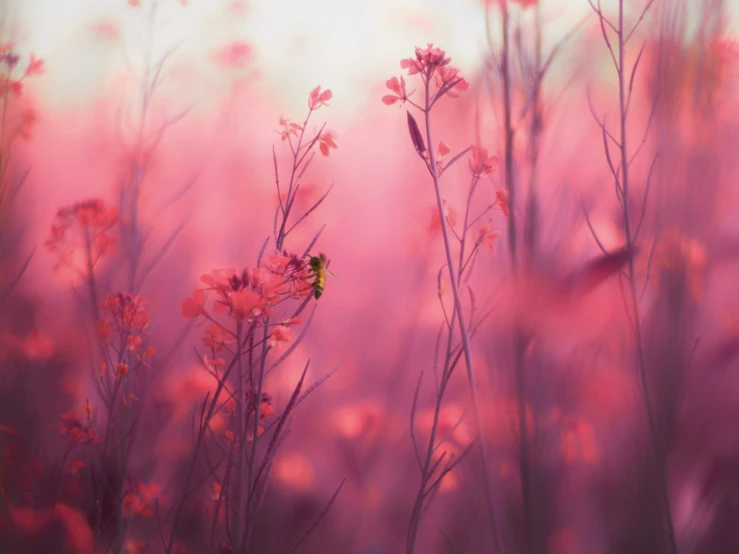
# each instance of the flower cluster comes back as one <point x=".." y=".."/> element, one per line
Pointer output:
<point x="326" y="138"/>
<point x="126" y="318"/>
<point x="253" y="293"/>
<point x="75" y="430"/>
<point x="139" y="499"/>
<point x="432" y="65"/>
<point x="94" y="222"/>
<point x="266" y="410"/>
<point x="10" y="60"/>
<point x="288" y="128"/>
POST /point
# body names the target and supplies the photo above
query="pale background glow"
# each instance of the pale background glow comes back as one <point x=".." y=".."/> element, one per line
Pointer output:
<point x="346" y="45"/>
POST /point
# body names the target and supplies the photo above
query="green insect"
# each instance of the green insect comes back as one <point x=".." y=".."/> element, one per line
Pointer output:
<point x="319" y="269"/>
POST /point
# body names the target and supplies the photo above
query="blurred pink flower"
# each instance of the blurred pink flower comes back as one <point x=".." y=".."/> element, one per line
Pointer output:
<point x="318" y="98"/>
<point x="481" y="163"/>
<point x="235" y="55"/>
<point x="327" y="141"/>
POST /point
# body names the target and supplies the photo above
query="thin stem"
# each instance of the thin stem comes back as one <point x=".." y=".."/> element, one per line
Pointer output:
<point x="462" y="329"/>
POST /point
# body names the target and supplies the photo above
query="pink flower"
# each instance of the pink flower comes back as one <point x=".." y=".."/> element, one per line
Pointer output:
<point x="194" y="306"/>
<point x="501" y="202"/>
<point x="288" y="129"/>
<point x="481" y="163"/>
<point x="35" y="67"/>
<point x="246" y="304"/>
<point x="235" y="55"/>
<point x="486" y="236"/>
<point x="398" y="87"/>
<point x="427" y="59"/>
<point x="326" y="141"/>
<point x="442" y="151"/>
<point x="448" y="75"/>
<point x="281" y="333"/>
<point x="318" y="98"/>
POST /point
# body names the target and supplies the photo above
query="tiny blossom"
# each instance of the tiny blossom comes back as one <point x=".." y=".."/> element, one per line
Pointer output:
<point x="94" y="222"/>
<point x="481" y="163"/>
<point x="501" y="201"/>
<point x="138" y="502"/>
<point x="399" y="90"/>
<point x="73" y="429"/>
<point x="447" y="78"/>
<point x="121" y="370"/>
<point x="288" y="128"/>
<point x="427" y="60"/>
<point x="442" y="150"/>
<point x="35" y="67"/>
<point x="194" y="306"/>
<point x="316" y="99"/>
<point x="486" y="236"/>
<point x="216" y="338"/>
<point x="281" y="333"/>
<point x="326" y="141"/>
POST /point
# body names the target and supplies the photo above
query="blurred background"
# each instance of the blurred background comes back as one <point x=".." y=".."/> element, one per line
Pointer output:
<point x="196" y="90"/>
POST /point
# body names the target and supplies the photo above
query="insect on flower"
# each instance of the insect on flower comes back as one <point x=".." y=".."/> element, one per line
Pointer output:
<point x="319" y="269"/>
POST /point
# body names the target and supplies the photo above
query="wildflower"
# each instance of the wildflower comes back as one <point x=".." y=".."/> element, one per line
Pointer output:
<point x="326" y="141"/>
<point x="281" y="333"/>
<point x="481" y="163"/>
<point x="95" y="223"/>
<point x="71" y="427"/>
<point x="318" y="98"/>
<point x="148" y="353"/>
<point x="486" y="236"/>
<point x="446" y="78"/>
<point x="35" y="67"/>
<point x="121" y="370"/>
<point x="246" y="304"/>
<point x="399" y="90"/>
<point x="129" y="399"/>
<point x="427" y="60"/>
<point x="288" y="128"/>
<point x="138" y="502"/>
<point x="194" y="306"/>
<point x="127" y="313"/>
<point x="441" y="151"/>
<point x="501" y="202"/>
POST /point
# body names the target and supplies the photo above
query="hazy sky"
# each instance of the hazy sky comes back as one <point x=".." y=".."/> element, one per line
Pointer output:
<point x="341" y="44"/>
